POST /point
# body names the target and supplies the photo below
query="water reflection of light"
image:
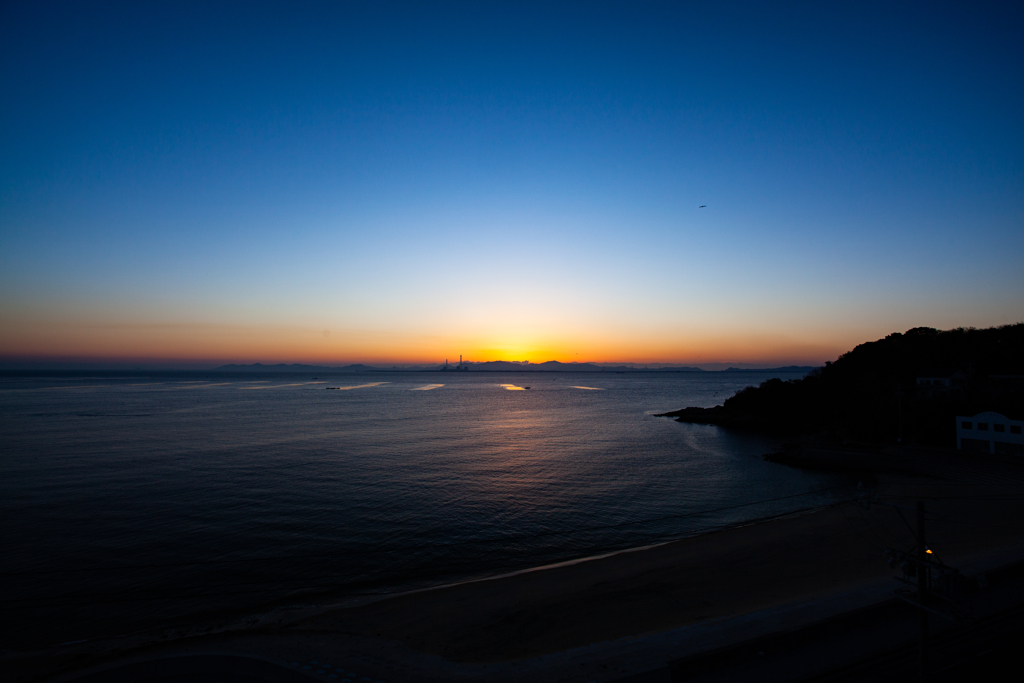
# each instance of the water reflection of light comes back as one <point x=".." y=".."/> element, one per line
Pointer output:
<point x="299" y="384"/>
<point x="357" y="386"/>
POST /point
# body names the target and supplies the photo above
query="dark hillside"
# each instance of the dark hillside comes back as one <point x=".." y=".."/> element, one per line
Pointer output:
<point x="871" y="392"/>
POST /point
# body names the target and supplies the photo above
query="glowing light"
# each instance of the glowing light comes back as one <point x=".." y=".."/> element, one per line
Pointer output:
<point x="300" y="384"/>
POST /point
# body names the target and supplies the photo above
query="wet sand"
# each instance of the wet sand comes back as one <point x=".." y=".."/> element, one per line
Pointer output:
<point x="697" y="579"/>
<point x="691" y="581"/>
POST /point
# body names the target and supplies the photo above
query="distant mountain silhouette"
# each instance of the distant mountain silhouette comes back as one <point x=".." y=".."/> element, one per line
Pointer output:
<point x="871" y="392"/>
<point x="789" y="368"/>
<point x="660" y="368"/>
<point x="549" y="366"/>
<point x="558" y="366"/>
<point x="488" y="366"/>
<point x="294" y="367"/>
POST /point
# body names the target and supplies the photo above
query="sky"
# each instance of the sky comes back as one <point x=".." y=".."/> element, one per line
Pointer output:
<point x="697" y="183"/>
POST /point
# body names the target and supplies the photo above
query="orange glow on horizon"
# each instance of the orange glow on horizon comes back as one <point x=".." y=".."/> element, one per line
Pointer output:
<point x="270" y="345"/>
<point x="109" y="338"/>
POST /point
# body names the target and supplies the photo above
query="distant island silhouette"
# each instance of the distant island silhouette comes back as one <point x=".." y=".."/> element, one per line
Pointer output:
<point x="294" y="367"/>
<point x="494" y="366"/>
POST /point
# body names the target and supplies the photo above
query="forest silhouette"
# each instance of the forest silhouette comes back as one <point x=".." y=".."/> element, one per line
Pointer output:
<point x="872" y="393"/>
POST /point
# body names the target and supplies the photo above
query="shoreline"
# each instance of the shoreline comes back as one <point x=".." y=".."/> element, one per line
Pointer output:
<point x="360" y="600"/>
<point x="300" y="611"/>
<point x="579" y="609"/>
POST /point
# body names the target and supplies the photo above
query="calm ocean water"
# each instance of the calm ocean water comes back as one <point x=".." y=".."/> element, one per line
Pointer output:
<point x="148" y="500"/>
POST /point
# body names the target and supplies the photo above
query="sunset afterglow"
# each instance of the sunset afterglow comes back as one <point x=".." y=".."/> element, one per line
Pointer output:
<point x="506" y="341"/>
<point x="678" y="189"/>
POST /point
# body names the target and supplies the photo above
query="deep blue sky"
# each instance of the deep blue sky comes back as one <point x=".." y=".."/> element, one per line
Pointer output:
<point x="407" y="182"/>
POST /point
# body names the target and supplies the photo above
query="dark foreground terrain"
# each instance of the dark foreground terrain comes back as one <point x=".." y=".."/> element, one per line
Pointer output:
<point x="805" y="597"/>
<point x="875" y="393"/>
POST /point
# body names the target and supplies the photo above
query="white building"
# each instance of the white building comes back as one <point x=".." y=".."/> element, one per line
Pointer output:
<point x="940" y="382"/>
<point x="990" y="433"/>
<point x="941" y="379"/>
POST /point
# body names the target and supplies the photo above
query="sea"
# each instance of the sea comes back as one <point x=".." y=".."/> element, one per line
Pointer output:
<point x="144" y="502"/>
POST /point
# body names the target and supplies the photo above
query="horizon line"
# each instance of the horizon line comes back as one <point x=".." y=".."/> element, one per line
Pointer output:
<point x="22" y="364"/>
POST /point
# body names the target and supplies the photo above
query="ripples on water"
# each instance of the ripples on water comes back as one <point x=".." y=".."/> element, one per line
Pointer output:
<point x="135" y="502"/>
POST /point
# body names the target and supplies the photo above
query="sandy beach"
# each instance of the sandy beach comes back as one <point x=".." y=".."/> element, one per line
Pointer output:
<point x="693" y="580"/>
<point x="463" y="630"/>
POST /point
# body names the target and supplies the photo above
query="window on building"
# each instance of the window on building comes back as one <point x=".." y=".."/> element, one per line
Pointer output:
<point x="1015" y="429"/>
<point x="965" y="425"/>
<point x="983" y="426"/>
<point x="999" y="428"/>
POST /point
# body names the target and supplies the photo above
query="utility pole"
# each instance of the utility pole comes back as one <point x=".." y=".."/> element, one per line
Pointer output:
<point x="923" y="572"/>
<point x="947" y="597"/>
<point x="899" y="411"/>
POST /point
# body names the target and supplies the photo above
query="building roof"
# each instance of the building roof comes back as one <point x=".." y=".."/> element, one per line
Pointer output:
<point x="940" y="373"/>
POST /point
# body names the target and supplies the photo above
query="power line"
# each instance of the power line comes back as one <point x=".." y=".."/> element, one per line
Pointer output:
<point x="853" y="527"/>
<point x="868" y="519"/>
<point x="1008" y="497"/>
<point x="981" y="524"/>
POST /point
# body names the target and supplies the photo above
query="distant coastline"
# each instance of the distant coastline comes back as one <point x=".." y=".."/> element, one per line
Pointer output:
<point x="494" y="366"/>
